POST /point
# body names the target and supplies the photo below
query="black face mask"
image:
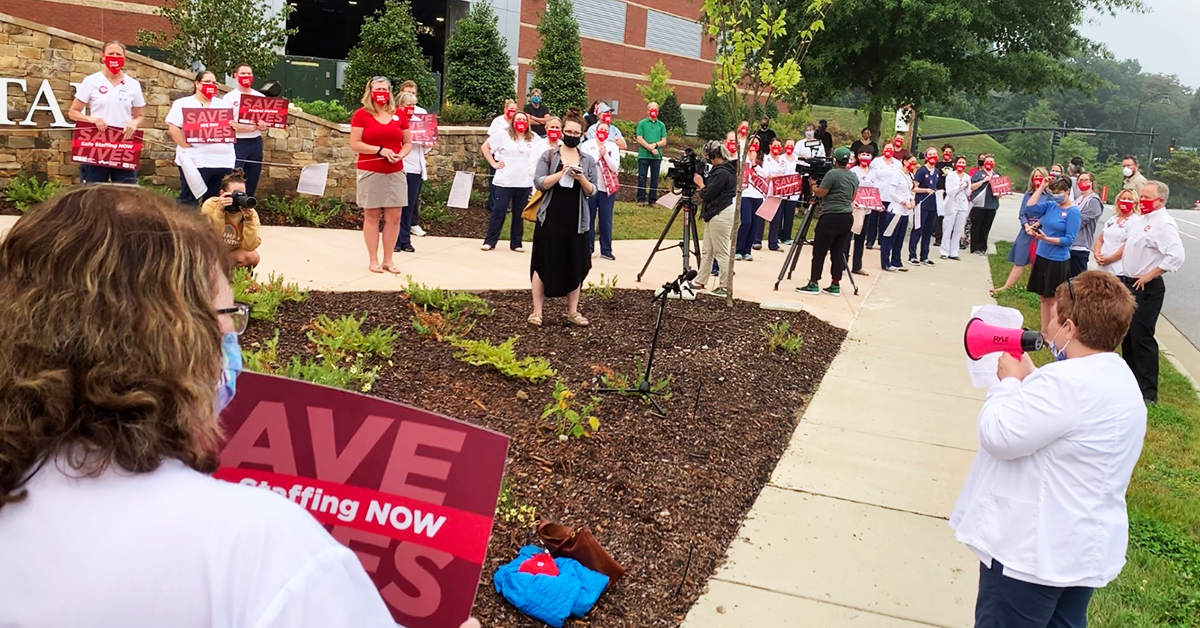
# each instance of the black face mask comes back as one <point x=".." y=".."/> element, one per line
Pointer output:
<point x="570" y="141"/>
<point x="981" y="163"/>
<point x="763" y="127"/>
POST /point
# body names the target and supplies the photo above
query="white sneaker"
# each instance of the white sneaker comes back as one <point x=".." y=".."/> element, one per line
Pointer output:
<point x="417" y="231"/>
<point x="487" y="247"/>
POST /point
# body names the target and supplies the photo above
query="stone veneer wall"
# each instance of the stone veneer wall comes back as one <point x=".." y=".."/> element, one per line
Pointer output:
<point x="35" y="53"/>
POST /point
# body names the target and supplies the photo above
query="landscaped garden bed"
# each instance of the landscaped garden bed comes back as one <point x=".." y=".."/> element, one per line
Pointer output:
<point x="664" y="495"/>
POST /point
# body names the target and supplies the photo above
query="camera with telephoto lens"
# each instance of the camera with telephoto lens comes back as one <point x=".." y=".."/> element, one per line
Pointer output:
<point x="241" y="201"/>
<point x="815" y="167"/>
<point x="682" y="172"/>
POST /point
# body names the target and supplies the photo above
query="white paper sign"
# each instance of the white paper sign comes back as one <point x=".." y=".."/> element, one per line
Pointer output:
<point x="312" y="179"/>
<point x="668" y="200"/>
<point x="983" y="370"/>
<point x="460" y="190"/>
<point x="891" y="228"/>
<point x="191" y="174"/>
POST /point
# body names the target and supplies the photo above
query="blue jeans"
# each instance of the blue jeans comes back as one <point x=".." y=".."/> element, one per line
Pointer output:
<point x="746" y="226"/>
<point x="1007" y="603"/>
<point x="249" y="149"/>
<point x="212" y="180"/>
<point x="601" y="205"/>
<point x="409" y="212"/>
<point x="647" y="191"/>
<point x="508" y="200"/>
<point x="921" y="236"/>
<point x="891" y="246"/>
<point x="103" y="174"/>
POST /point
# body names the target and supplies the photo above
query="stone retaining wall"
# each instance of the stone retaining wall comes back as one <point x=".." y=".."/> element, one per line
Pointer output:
<point x="38" y="54"/>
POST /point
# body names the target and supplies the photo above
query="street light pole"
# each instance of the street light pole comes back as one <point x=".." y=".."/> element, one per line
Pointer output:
<point x="1165" y="99"/>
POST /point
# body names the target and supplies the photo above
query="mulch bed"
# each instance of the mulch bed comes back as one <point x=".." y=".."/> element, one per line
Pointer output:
<point x="657" y="492"/>
<point x="8" y="208"/>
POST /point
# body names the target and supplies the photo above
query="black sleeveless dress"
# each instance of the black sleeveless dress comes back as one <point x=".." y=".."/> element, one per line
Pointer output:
<point x="561" y="256"/>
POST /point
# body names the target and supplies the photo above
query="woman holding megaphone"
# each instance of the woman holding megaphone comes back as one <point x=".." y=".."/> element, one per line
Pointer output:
<point x="1055" y="231"/>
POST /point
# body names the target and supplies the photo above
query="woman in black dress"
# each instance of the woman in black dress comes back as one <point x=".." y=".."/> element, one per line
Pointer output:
<point x="561" y="259"/>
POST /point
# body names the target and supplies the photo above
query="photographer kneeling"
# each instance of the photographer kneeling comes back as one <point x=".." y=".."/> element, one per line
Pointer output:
<point x="233" y="217"/>
<point x="833" y="232"/>
<point x="717" y="193"/>
<point x="1043" y="506"/>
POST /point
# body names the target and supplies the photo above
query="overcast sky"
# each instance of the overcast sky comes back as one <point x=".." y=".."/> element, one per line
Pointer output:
<point x="1165" y="40"/>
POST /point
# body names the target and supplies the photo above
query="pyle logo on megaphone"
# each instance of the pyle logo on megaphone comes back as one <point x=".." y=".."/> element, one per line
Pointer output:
<point x="982" y="339"/>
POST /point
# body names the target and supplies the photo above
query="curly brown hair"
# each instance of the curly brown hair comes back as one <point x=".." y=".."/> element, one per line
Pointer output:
<point x="110" y="348"/>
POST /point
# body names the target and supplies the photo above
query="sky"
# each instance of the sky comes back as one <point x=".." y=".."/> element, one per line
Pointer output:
<point x="1164" y="40"/>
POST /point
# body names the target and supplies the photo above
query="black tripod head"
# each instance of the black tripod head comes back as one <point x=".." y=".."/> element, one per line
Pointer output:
<point x="676" y="286"/>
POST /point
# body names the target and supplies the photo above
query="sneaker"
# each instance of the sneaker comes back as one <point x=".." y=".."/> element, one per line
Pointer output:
<point x="913" y="261"/>
<point x="955" y="258"/>
<point x="889" y="269"/>
<point x="928" y="262"/>
<point x="737" y="257"/>
<point x="518" y="249"/>
<point x="608" y="257"/>
<point x="833" y="289"/>
<point x="486" y="247"/>
<point x="901" y="269"/>
<point x="870" y="247"/>
<point x="757" y="246"/>
<point x="719" y="292"/>
<point x="811" y="288"/>
<point x="787" y="243"/>
<point x="943" y="257"/>
<point x="417" y="231"/>
<point x="747" y="258"/>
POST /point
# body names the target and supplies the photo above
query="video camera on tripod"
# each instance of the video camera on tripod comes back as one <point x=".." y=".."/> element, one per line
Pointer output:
<point x="815" y="167"/>
<point x="682" y="171"/>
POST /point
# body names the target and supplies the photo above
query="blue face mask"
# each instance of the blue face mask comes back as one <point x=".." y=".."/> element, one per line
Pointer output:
<point x="537" y="100"/>
<point x="1059" y="198"/>
<point x="231" y="354"/>
<point x="1059" y="354"/>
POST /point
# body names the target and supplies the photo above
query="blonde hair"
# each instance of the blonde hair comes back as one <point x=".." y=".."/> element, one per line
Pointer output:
<point x="1133" y="196"/>
<point x="110" y="351"/>
<point x="369" y="104"/>
<point x="407" y="99"/>
<point x="112" y="42"/>
<point x="1033" y="173"/>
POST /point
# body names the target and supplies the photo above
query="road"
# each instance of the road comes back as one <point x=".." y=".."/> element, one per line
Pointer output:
<point x="1182" y="306"/>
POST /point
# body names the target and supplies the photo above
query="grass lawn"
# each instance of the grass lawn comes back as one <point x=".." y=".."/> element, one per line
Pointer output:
<point x="1160" y="585"/>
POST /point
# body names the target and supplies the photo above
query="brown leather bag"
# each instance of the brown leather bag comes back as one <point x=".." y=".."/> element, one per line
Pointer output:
<point x="579" y="544"/>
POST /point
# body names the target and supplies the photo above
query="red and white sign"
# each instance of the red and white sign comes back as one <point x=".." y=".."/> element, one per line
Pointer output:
<point x="756" y="180"/>
<point x="208" y="125"/>
<point x="413" y="493"/>
<point x="255" y="109"/>
<point x="786" y="185"/>
<point x="1001" y="186"/>
<point x="424" y="128"/>
<point x="108" y="148"/>
<point x="869" y="198"/>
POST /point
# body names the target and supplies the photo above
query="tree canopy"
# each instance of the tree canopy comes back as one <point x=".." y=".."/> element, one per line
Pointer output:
<point x="558" y="64"/>
<point x="387" y="46"/>
<point x="477" y="68"/>
<point x="221" y="34"/>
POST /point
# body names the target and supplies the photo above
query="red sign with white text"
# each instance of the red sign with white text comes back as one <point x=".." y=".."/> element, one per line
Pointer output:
<point x="424" y="128"/>
<point x="869" y="198"/>
<point x="208" y="125"/>
<point x="255" y="109"/>
<point x="108" y="148"/>
<point x="786" y="185"/>
<point x="1001" y="186"/>
<point x="413" y="493"/>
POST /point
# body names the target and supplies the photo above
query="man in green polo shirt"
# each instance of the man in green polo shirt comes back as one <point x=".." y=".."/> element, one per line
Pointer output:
<point x="651" y="137"/>
<point x="832" y="235"/>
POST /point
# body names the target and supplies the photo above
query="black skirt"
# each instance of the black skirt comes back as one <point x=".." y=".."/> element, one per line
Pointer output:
<point x="1047" y="275"/>
<point x="561" y="256"/>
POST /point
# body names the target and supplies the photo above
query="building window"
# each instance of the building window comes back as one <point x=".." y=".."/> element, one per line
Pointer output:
<point x="600" y="19"/>
<point x="669" y="33"/>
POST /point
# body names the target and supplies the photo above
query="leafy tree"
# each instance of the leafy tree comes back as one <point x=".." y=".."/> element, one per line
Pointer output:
<point x="1182" y="173"/>
<point x="221" y="34"/>
<point x="973" y="47"/>
<point x="477" y="68"/>
<point x="1076" y="146"/>
<point x="717" y="119"/>
<point x="658" y="90"/>
<point x="671" y="114"/>
<point x="387" y="46"/>
<point x="1033" y="148"/>
<point x="558" y="64"/>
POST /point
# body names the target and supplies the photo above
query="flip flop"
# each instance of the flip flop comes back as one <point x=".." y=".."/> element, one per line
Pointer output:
<point x="391" y="268"/>
<point x="375" y="268"/>
<point x="577" y="319"/>
<point x="535" y="320"/>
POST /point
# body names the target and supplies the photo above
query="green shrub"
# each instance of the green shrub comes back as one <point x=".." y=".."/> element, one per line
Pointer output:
<point x="477" y="68"/>
<point x="446" y="301"/>
<point x="628" y="131"/>
<point x="331" y="110"/>
<point x="571" y="420"/>
<point x="453" y="113"/>
<point x="780" y="335"/>
<point x="717" y="118"/>
<point x="603" y="290"/>
<point x="262" y="357"/>
<point x="502" y="358"/>
<point x="305" y="211"/>
<point x="629" y="161"/>
<point x="342" y="348"/>
<point x="433" y="199"/>
<point x="264" y="298"/>
<point x="344" y="338"/>
<point x="609" y="378"/>
<point x="558" y="65"/>
<point x="671" y="114"/>
<point x="26" y="190"/>
<point x="387" y="46"/>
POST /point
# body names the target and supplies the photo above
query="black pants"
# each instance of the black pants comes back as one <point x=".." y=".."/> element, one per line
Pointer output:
<point x="1079" y="262"/>
<point x="831" y="237"/>
<point x="1004" y="602"/>
<point x="249" y="152"/>
<point x="1139" y="347"/>
<point x="103" y="174"/>
<point x="981" y="226"/>
<point x="870" y="231"/>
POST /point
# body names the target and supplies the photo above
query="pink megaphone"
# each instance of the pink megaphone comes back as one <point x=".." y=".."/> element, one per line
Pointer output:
<point x="982" y="339"/>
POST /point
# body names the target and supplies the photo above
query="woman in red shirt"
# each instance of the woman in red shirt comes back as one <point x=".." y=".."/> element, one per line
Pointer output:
<point x="379" y="134"/>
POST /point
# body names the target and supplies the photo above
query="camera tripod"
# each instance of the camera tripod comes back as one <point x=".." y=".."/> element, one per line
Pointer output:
<point x="687" y="207"/>
<point x="662" y="295"/>
<point x="793" y="254"/>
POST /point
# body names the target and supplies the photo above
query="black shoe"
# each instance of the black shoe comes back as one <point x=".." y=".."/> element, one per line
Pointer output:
<point x="608" y="257"/>
<point x="913" y="261"/>
<point x="407" y="249"/>
<point x="757" y="246"/>
<point x="928" y="262"/>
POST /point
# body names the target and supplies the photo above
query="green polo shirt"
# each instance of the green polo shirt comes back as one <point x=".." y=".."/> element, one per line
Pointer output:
<point x="651" y="132"/>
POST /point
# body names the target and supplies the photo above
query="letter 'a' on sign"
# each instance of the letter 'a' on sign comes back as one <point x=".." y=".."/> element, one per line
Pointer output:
<point x="412" y="492"/>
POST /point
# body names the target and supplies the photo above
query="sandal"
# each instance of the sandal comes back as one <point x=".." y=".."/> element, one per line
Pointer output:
<point x="375" y="268"/>
<point x="535" y="320"/>
<point x="577" y="319"/>
<point x="391" y="268"/>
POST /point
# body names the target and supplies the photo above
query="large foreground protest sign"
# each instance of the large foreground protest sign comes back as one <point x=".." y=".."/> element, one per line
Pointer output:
<point x="411" y="492"/>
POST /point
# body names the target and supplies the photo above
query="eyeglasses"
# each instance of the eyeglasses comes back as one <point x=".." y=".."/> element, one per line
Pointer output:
<point x="1071" y="290"/>
<point x="239" y="314"/>
<point x="572" y="134"/>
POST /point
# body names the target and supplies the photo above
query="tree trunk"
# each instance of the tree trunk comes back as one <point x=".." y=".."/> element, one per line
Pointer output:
<point x="874" y="122"/>
<point x="737" y="221"/>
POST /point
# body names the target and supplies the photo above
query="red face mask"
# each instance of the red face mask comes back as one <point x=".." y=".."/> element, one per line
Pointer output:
<point x="731" y="146"/>
<point x="1037" y="182"/>
<point x="864" y="161"/>
<point x="1125" y="205"/>
<point x="888" y="152"/>
<point x="114" y="63"/>
<point x="381" y="96"/>
<point x="509" y="113"/>
<point x="776" y="149"/>
<point x="754" y="146"/>
<point x="654" y="114"/>
<point x="912" y="167"/>
<point x="553" y="135"/>
<point x="899" y="143"/>
<point x="932" y="159"/>
<point x="602" y="135"/>
<point x="245" y="81"/>
<point x="1084" y="186"/>
<point x="742" y="131"/>
<point x="606" y="118"/>
<point x="960" y="167"/>
<point x="521" y="126"/>
<point x="789" y="149"/>
<point x="208" y="90"/>
<point x="1148" y="205"/>
<point x="947" y="156"/>
<point x="410" y="110"/>
<point x="989" y="165"/>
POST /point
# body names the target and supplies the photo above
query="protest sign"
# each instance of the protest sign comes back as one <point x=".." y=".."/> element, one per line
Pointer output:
<point x="424" y="128"/>
<point x="255" y="109"/>
<point x="413" y="493"/>
<point x="1001" y="186"/>
<point x="757" y="181"/>
<point x="767" y="209"/>
<point x="108" y="148"/>
<point x="786" y="185"/>
<point x="869" y="198"/>
<point x="208" y="125"/>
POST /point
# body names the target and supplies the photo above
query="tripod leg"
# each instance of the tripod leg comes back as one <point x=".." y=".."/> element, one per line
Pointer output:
<point x="846" y="271"/>
<point x="658" y="245"/>
<point x="685" y="247"/>
<point x="808" y="216"/>
<point x="696" y="242"/>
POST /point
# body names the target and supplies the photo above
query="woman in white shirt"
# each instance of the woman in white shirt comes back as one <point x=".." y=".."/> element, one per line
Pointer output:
<point x="1110" y="242"/>
<point x="607" y="155"/>
<point x="752" y="199"/>
<point x="510" y="154"/>
<point x="957" y="206"/>
<point x="893" y="224"/>
<point x="1043" y="506"/>
<point x="212" y="160"/>
<point x="249" y="146"/>
<point x="416" y="171"/>
<point x="112" y="99"/>
<point x="867" y="175"/>
<point x="787" y="208"/>
<point x="499" y="126"/>
<point x="776" y="165"/>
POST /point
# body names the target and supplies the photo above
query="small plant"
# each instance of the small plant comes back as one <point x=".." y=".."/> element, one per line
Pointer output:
<point x="509" y="508"/>
<point x="26" y="190"/>
<point x="452" y="114"/>
<point x="780" y="335"/>
<point x="331" y="110"/>
<point x="602" y="290"/>
<point x="502" y="358"/>
<point x="343" y="337"/>
<point x="629" y="162"/>
<point x="154" y="187"/>
<point x="448" y="302"/>
<point x="264" y="298"/>
<point x="304" y="211"/>
<point x="262" y="357"/>
<point x="352" y="377"/>
<point x="440" y="326"/>
<point x="571" y="421"/>
<point x="434" y="197"/>
<point x="609" y="378"/>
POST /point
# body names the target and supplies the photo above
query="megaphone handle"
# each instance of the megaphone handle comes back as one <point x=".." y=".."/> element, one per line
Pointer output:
<point x="1016" y="354"/>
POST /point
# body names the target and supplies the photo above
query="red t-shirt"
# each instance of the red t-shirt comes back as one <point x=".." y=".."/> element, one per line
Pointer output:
<point x="390" y="135"/>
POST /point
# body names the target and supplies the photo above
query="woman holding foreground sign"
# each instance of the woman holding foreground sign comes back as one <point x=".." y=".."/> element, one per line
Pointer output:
<point x="112" y="99"/>
<point x="212" y="158"/>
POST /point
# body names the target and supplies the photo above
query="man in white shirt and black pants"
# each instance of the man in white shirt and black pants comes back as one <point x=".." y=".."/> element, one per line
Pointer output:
<point x="1152" y="249"/>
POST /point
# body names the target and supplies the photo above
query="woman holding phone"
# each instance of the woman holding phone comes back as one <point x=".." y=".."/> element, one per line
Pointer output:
<point x="1055" y="231"/>
<point x="112" y="99"/>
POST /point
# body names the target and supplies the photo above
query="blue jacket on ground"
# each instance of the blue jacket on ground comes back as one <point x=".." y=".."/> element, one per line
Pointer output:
<point x="550" y="599"/>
